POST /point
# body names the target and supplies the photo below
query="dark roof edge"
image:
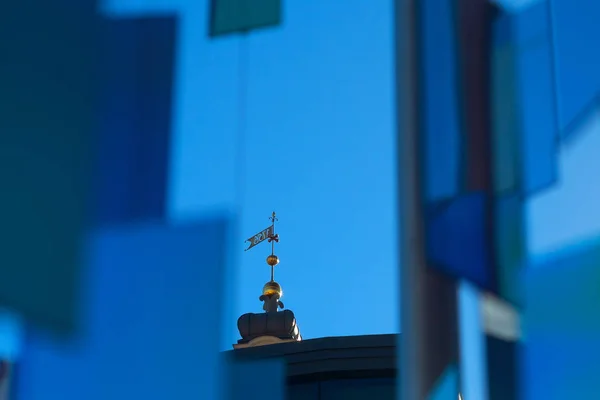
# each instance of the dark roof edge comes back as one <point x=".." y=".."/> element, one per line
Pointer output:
<point x="329" y="356"/>
<point x="324" y="343"/>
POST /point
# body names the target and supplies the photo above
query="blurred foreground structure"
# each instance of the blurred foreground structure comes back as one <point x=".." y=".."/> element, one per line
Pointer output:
<point x="478" y="139"/>
<point x="107" y="292"/>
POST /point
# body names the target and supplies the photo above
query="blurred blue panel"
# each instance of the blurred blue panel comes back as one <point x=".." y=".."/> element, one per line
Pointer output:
<point x="441" y="139"/>
<point x="152" y="311"/>
<point x="524" y="101"/>
<point x="229" y="16"/>
<point x="47" y="88"/>
<point x="135" y="120"/>
<point x="457" y="241"/>
<point x="256" y="380"/>
<point x="576" y="29"/>
<point x="538" y="117"/>
<point x="531" y="24"/>
<point x="562" y="324"/>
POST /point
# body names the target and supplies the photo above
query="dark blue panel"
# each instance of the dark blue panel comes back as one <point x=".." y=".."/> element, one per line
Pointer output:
<point x="457" y="241"/>
<point x="152" y="314"/>
<point x="441" y="138"/>
<point x="135" y="120"/>
<point x="576" y="31"/>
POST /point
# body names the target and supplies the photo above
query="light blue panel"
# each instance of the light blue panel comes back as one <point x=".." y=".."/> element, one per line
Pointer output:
<point x="568" y="211"/>
<point x="152" y="313"/>
<point x="11" y="335"/>
<point x="256" y="380"/>
<point x="447" y="386"/>
<point x="473" y="362"/>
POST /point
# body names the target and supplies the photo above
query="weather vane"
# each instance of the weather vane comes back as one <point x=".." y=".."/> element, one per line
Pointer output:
<point x="269" y="235"/>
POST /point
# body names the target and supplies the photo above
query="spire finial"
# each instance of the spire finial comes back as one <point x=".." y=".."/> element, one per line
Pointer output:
<point x="272" y="290"/>
<point x="273" y="260"/>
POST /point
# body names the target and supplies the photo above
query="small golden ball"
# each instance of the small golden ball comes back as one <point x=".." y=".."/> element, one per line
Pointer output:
<point x="272" y="260"/>
<point x="271" y="288"/>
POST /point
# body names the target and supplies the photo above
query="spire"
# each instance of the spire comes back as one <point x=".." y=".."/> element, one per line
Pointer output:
<point x="272" y="291"/>
<point x="272" y="326"/>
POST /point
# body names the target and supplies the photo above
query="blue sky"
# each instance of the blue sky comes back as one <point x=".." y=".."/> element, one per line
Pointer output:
<point x="318" y="148"/>
<point x="319" y="137"/>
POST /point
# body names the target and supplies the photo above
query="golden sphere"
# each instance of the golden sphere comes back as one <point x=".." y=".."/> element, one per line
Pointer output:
<point x="271" y="288"/>
<point x="272" y="260"/>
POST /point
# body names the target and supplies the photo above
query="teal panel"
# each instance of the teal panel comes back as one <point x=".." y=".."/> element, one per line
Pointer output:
<point x="510" y="247"/>
<point x="47" y="79"/>
<point x="505" y="110"/>
<point x="230" y="16"/>
<point x="562" y="325"/>
<point x="505" y="120"/>
<point x="574" y="273"/>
